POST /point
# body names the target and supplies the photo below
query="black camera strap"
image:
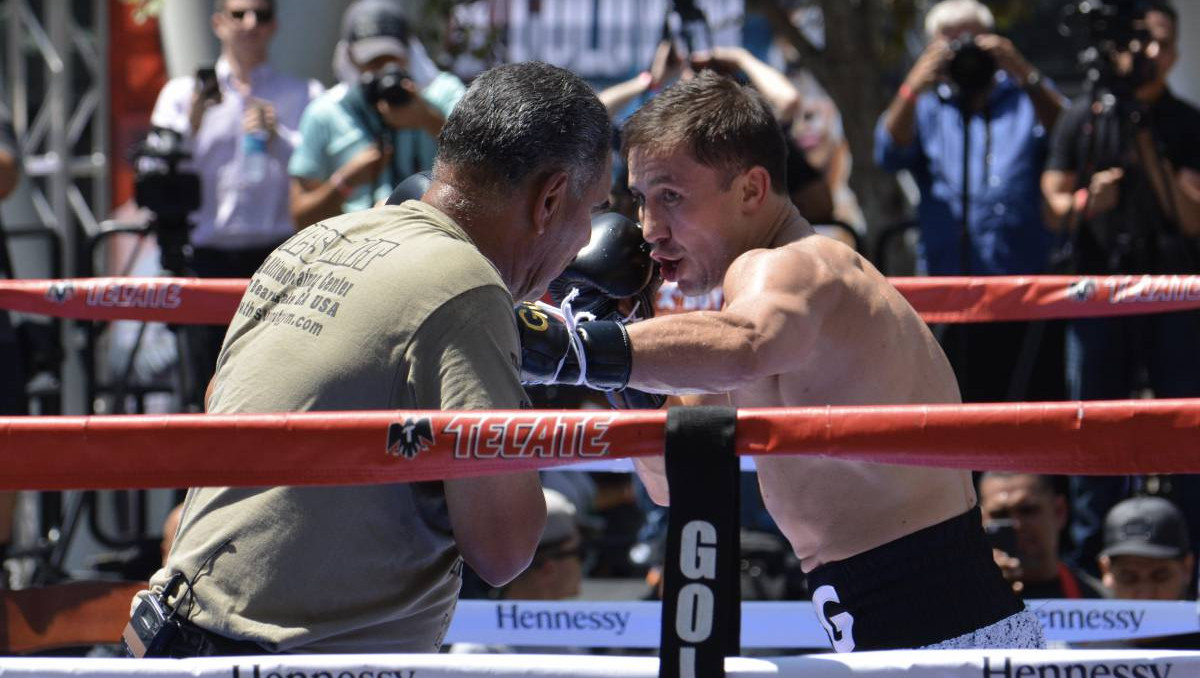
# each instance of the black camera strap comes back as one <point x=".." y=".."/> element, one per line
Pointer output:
<point x="387" y="140"/>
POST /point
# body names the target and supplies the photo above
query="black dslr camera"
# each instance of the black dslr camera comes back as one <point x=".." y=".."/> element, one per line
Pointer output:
<point x="387" y="84"/>
<point x="971" y="69"/>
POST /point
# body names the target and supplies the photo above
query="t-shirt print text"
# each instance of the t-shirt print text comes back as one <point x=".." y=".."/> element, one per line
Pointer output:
<point x="320" y="244"/>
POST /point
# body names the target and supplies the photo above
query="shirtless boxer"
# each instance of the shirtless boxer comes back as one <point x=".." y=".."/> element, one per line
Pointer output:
<point x="896" y="556"/>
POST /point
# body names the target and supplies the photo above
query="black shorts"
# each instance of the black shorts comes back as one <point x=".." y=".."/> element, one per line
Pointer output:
<point x="931" y="586"/>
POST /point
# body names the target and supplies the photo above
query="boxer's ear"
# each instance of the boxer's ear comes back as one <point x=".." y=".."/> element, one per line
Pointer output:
<point x="752" y="187"/>
<point x="549" y="200"/>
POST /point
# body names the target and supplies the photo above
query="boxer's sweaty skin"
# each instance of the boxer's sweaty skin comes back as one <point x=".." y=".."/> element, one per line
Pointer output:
<point x="806" y="321"/>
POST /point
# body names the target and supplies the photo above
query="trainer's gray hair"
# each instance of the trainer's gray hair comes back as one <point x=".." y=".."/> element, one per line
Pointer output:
<point x="955" y="13"/>
<point x="520" y="119"/>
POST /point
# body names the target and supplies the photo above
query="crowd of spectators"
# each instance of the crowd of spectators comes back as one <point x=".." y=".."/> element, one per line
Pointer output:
<point x="1013" y="179"/>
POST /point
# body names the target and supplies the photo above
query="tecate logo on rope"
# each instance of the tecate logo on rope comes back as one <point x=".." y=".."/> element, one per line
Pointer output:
<point x="120" y="295"/>
<point x="506" y="436"/>
<point x="1129" y="289"/>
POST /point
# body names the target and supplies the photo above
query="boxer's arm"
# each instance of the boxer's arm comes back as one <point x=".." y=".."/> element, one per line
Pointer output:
<point x="653" y="473"/>
<point x="776" y="303"/>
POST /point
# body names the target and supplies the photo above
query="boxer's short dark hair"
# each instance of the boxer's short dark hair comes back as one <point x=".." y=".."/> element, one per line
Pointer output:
<point x="723" y="124"/>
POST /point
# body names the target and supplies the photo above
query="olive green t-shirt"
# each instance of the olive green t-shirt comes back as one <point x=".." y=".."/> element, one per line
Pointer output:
<point x="387" y="308"/>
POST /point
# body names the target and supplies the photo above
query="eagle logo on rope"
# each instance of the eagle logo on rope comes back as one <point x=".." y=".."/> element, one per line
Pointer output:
<point x="60" y="292"/>
<point x="1082" y="290"/>
<point x="411" y="438"/>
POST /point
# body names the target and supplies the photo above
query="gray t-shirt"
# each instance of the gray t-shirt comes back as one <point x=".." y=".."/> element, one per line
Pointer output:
<point x="388" y="308"/>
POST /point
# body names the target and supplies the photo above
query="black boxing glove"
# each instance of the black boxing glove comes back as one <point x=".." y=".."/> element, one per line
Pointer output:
<point x="411" y="188"/>
<point x="614" y="265"/>
<point x="557" y="350"/>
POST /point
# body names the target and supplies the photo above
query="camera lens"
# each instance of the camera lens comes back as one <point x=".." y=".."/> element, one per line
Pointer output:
<point x="386" y="85"/>
<point x="971" y="68"/>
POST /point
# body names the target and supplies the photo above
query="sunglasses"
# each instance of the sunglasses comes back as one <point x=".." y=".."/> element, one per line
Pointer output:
<point x="263" y="16"/>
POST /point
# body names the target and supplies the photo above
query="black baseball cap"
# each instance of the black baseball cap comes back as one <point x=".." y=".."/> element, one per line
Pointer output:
<point x="374" y="28"/>
<point x="1145" y="526"/>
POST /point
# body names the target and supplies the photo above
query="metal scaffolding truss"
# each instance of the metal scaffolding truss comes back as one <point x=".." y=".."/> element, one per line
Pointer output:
<point x="56" y="57"/>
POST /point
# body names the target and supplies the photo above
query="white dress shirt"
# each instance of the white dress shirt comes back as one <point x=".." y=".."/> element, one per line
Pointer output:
<point x="235" y="214"/>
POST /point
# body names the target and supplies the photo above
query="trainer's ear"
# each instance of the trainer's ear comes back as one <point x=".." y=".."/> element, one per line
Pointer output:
<point x="549" y="201"/>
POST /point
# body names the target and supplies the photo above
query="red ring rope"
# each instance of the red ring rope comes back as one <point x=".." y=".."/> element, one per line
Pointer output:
<point x="938" y="300"/>
<point x="141" y="451"/>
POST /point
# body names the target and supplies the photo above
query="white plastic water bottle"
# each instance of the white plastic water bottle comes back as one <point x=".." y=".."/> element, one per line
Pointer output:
<point x="254" y="156"/>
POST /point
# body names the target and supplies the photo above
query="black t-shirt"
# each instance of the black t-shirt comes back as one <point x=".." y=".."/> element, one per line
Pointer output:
<point x="1138" y="236"/>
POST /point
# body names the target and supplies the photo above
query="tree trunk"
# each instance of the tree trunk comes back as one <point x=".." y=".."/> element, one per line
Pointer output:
<point x="859" y="46"/>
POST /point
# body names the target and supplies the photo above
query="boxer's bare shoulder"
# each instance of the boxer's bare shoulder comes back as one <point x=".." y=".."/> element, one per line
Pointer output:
<point x="852" y="340"/>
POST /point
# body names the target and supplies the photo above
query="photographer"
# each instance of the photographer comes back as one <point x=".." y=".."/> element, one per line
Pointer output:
<point x="379" y="126"/>
<point x="969" y="74"/>
<point x="240" y="119"/>
<point x="1123" y="180"/>
<point x="1024" y="514"/>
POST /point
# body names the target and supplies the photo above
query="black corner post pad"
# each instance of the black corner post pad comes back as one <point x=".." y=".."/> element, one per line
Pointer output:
<point x="701" y="608"/>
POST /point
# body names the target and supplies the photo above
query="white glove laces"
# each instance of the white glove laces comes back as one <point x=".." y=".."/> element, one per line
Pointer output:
<point x="632" y="314"/>
<point x="571" y="319"/>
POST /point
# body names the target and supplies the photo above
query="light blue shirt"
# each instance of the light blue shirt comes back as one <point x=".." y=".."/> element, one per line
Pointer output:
<point x="339" y="124"/>
<point x="1008" y="148"/>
